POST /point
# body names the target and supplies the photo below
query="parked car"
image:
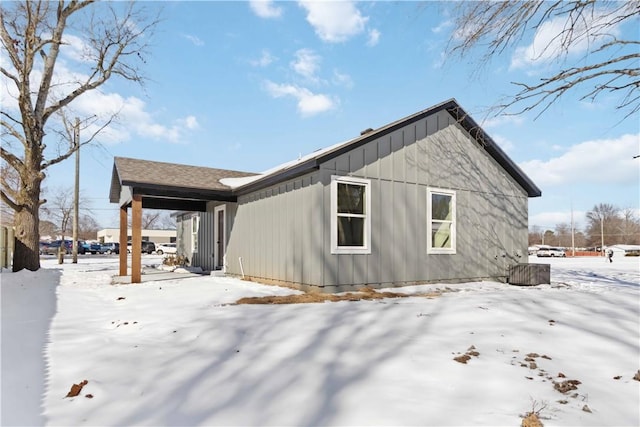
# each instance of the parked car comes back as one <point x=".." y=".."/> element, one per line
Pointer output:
<point x="81" y="249"/>
<point x="166" y="248"/>
<point x="43" y="247"/>
<point x="147" y="247"/>
<point x="551" y="252"/>
<point x="52" y="248"/>
<point x="111" y="248"/>
<point x="95" y="248"/>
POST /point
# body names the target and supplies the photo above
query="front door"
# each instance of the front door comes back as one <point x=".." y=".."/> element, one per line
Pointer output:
<point x="219" y="236"/>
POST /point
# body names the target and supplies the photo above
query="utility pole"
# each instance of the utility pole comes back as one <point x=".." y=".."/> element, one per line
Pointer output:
<point x="602" y="233"/>
<point x="76" y="189"/>
<point x="573" y="241"/>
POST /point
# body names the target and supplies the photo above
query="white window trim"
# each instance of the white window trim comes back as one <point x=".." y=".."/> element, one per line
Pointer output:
<point x="430" y="248"/>
<point x="195" y="219"/>
<point x="366" y="248"/>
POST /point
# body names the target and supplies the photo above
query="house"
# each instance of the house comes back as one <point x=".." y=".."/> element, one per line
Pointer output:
<point x="624" y="250"/>
<point x="427" y="198"/>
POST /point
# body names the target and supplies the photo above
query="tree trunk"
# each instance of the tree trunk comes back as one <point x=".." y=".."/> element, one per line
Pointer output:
<point x="27" y="222"/>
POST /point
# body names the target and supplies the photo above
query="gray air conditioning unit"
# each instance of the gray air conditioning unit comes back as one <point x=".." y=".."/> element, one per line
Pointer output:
<point x="529" y="274"/>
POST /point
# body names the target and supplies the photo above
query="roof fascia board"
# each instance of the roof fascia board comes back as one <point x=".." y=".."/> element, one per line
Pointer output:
<point x="181" y="193"/>
<point x="174" y="204"/>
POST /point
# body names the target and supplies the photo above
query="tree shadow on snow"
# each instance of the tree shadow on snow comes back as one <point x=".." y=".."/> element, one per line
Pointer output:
<point x="28" y="307"/>
<point x="257" y="377"/>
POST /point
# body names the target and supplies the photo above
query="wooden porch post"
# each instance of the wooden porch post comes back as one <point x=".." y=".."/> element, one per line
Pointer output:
<point x="136" y="239"/>
<point x="123" y="241"/>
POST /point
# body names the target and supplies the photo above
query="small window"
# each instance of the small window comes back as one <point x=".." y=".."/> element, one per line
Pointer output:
<point x="441" y="221"/>
<point x="195" y="226"/>
<point x="350" y="215"/>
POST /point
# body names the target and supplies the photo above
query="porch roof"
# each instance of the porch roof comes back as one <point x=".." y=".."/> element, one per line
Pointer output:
<point x="169" y="185"/>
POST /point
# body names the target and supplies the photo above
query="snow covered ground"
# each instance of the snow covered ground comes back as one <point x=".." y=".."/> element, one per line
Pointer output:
<point x="179" y="352"/>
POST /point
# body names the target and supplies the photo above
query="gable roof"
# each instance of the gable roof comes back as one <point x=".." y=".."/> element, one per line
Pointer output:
<point x="312" y="161"/>
<point x="167" y="181"/>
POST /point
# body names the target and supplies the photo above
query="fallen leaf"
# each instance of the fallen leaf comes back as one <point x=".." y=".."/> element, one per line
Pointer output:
<point x="76" y="389"/>
<point x="462" y="359"/>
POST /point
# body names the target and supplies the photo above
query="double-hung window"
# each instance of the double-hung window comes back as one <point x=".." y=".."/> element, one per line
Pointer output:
<point x="350" y="215"/>
<point x="441" y="221"/>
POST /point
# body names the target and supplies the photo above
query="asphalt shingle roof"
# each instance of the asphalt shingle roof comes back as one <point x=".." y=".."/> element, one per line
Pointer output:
<point x="146" y="173"/>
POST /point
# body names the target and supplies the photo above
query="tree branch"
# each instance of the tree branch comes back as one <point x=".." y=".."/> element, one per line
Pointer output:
<point x="16" y="207"/>
<point x="11" y="130"/>
<point x="498" y="26"/>
<point x="11" y="159"/>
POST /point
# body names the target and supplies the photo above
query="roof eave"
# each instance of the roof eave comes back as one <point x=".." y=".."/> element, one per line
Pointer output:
<point x="278" y="177"/>
<point x="472" y="127"/>
<point x="157" y="190"/>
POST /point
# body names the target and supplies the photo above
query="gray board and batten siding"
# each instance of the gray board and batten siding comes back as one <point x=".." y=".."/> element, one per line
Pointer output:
<point x="278" y="225"/>
<point x="204" y="256"/>
<point x="282" y="233"/>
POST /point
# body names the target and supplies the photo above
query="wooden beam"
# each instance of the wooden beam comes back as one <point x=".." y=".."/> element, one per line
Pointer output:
<point x="123" y="240"/>
<point x="136" y="239"/>
<point x="174" y="204"/>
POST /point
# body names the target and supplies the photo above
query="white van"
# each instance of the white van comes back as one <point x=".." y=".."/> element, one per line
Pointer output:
<point x="551" y="252"/>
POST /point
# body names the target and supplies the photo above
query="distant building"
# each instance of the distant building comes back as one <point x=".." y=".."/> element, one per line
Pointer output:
<point x="109" y="235"/>
<point x="624" y="250"/>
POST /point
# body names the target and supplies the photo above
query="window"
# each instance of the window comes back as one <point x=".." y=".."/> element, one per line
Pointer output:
<point x="195" y="226"/>
<point x="350" y="215"/>
<point x="441" y="221"/>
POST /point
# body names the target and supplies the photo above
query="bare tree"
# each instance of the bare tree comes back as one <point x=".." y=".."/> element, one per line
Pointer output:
<point x="535" y="235"/>
<point x="48" y="228"/>
<point x="150" y="220"/>
<point x="156" y="220"/>
<point x="88" y="227"/>
<point x="168" y="222"/>
<point x="606" y="65"/>
<point x="563" y="233"/>
<point x="630" y="227"/>
<point x="603" y="223"/>
<point x="579" y="239"/>
<point x="60" y="210"/>
<point x="114" y="39"/>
